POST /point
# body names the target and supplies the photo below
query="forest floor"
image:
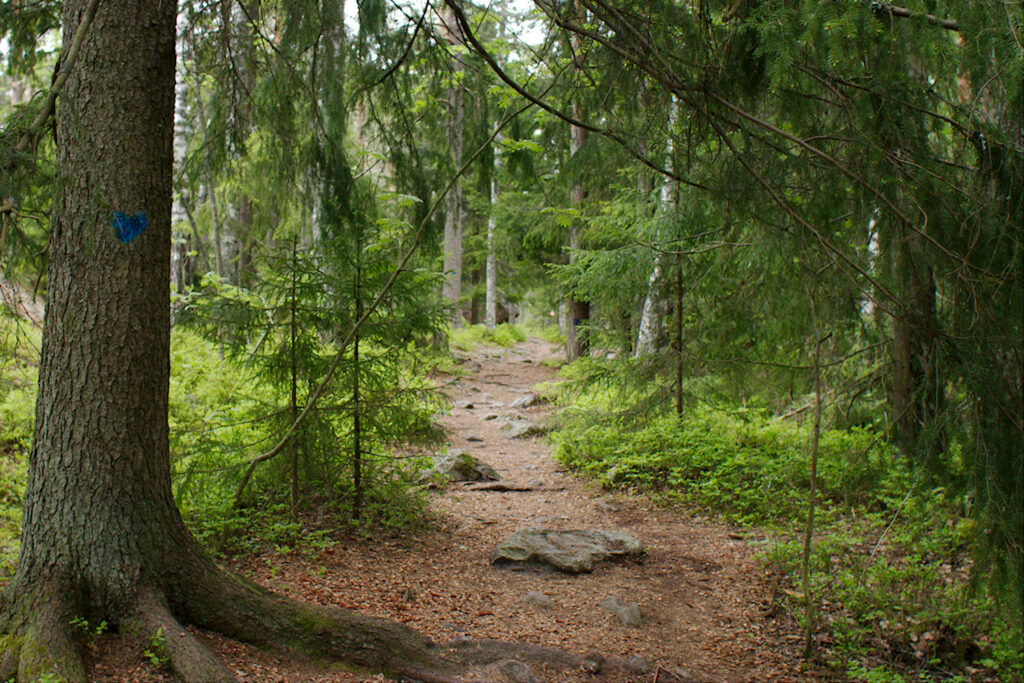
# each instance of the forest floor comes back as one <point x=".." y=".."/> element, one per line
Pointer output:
<point x="706" y="602"/>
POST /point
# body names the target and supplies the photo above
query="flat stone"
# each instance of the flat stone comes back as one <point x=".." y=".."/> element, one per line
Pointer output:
<point x="491" y="416"/>
<point x="464" y="405"/>
<point x="474" y="437"/>
<point x="627" y="612"/>
<point x="574" y="551"/>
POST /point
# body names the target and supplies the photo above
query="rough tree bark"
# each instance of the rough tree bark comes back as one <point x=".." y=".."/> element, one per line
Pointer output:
<point x="102" y="538"/>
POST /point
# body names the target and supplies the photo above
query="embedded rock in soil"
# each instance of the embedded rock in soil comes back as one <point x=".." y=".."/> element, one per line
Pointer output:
<point x="517" y="429"/>
<point x="460" y="466"/>
<point x="573" y="552"/>
<point x="627" y="612"/>
<point x="523" y="402"/>
<point x="538" y="599"/>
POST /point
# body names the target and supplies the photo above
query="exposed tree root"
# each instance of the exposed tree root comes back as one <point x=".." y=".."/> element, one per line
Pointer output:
<point x="202" y="594"/>
<point x="156" y="628"/>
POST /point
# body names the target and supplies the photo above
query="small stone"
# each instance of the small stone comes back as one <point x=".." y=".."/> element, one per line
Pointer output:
<point x="518" y="429"/>
<point x="464" y="405"/>
<point x="491" y="416"/>
<point x="474" y="437"/>
<point x="460" y="466"/>
<point x="535" y="484"/>
<point x="627" y="612"/>
<point x="605" y="506"/>
<point x="409" y="594"/>
<point x="538" y="599"/>
<point x="523" y="402"/>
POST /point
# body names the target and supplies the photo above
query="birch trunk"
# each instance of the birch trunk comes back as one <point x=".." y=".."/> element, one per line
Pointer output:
<point x="650" y="322"/>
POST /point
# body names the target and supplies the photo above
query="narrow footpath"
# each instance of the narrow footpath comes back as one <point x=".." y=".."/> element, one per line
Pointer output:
<point x="706" y="608"/>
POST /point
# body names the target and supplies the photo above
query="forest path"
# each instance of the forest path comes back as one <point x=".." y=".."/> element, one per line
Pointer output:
<point x="700" y="588"/>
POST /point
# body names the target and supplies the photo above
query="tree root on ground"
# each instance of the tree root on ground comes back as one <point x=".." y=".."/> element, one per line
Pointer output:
<point x="204" y="595"/>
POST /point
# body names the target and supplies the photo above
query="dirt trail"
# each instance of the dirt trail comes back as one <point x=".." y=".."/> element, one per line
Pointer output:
<point x="699" y="587"/>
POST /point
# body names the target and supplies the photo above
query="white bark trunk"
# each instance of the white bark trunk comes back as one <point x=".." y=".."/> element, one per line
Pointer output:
<point x="179" y="215"/>
<point x="451" y="289"/>
<point x="650" y="322"/>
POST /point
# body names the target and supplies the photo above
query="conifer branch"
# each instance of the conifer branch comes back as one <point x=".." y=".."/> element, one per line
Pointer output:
<point x="31" y="134"/>
<point x="558" y="113"/>
<point x="904" y="13"/>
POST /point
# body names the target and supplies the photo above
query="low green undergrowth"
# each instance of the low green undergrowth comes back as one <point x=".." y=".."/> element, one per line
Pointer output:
<point x="891" y="569"/>
<point x="19" y="351"/>
<point x="471" y="336"/>
<point x="222" y="413"/>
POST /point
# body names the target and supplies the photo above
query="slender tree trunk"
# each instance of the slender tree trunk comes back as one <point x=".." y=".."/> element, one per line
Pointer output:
<point x="211" y="190"/>
<point x="812" y="493"/>
<point x="180" y="216"/>
<point x="576" y="344"/>
<point x="491" y="301"/>
<point x="294" y="445"/>
<point x="357" y="452"/>
<point x="678" y="342"/>
<point x="578" y="313"/>
<point x="453" y="222"/>
<point x="918" y="396"/>
<point x="647" y="336"/>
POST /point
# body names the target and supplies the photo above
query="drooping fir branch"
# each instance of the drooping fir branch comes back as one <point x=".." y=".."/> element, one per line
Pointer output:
<point x="32" y="132"/>
<point x="632" y="149"/>
<point x="878" y="8"/>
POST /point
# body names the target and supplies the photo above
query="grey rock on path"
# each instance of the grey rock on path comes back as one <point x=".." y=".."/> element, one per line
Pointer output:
<point x="538" y="599"/>
<point x="519" y="428"/>
<point x="627" y="612"/>
<point x="573" y="552"/>
<point x="460" y="466"/>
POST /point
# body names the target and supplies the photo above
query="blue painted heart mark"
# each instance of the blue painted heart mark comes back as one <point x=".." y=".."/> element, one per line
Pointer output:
<point x="129" y="227"/>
